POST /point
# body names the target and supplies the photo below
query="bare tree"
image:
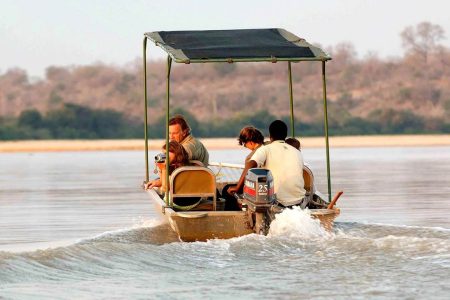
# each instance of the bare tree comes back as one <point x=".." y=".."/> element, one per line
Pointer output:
<point x="423" y="39"/>
<point x="344" y="52"/>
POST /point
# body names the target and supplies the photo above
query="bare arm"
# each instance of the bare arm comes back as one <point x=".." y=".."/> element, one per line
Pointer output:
<point x="157" y="182"/>
<point x="248" y="165"/>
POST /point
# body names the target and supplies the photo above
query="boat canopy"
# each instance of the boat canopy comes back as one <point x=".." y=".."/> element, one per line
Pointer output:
<point x="202" y="46"/>
<point x="239" y="45"/>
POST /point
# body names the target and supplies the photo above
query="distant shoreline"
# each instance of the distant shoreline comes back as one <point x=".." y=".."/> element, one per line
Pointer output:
<point x="223" y="143"/>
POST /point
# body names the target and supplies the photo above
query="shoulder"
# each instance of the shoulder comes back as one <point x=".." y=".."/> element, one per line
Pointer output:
<point x="261" y="149"/>
<point x="259" y="154"/>
<point x="274" y="146"/>
<point x="193" y="145"/>
<point x="190" y="139"/>
<point x="189" y="142"/>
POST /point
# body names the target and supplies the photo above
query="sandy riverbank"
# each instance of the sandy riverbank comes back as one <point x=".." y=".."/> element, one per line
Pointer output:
<point x="223" y="143"/>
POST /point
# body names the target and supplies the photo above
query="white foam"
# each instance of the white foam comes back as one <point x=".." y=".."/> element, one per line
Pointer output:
<point x="413" y="244"/>
<point x="297" y="223"/>
<point x="142" y="222"/>
<point x="435" y="228"/>
<point x="138" y="223"/>
<point x="31" y="247"/>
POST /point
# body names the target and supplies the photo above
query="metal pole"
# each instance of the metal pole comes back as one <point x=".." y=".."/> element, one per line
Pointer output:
<point x="169" y="64"/>
<point x="145" y="110"/>
<point x="291" y="100"/>
<point x="325" y="112"/>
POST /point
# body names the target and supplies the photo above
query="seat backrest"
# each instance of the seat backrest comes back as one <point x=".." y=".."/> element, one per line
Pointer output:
<point x="308" y="177"/>
<point x="193" y="181"/>
<point x="196" y="163"/>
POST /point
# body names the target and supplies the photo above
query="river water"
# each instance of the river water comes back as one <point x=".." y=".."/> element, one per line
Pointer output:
<point x="76" y="225"/>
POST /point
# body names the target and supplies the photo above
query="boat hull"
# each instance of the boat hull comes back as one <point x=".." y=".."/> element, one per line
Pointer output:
<point x="191" y="226"/>
<point x="210" y="225"/>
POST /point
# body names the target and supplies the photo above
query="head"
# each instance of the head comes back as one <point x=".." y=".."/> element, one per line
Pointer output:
<point x="293" y="142"/>
<point x="178" y="128"/>
<point x="250" y="137"/>
<point x="177" y="155"/>
<point x="278" y="130"/>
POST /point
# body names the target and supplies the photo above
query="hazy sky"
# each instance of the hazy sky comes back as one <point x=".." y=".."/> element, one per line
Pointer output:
<point x="38" y="34"/>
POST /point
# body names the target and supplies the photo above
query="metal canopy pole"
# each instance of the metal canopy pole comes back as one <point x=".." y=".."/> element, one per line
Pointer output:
<point x="169" y="65"/>
<point x="325" y="112"/>
<point x="291" y="100"/>
<point x="145" y="110"/>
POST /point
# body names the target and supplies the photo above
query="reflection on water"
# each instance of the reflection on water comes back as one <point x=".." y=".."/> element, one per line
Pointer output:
<point x="80" y="222"/>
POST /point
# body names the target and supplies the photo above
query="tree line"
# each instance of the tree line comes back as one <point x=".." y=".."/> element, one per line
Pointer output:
<point x="79" y="122"/>
<point x="398" y="94"/>
<point x="70" y="122"/>
<point x="370" y="95"/>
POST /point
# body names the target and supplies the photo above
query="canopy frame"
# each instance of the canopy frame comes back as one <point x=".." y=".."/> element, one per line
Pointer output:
<point x="171" y="57"/>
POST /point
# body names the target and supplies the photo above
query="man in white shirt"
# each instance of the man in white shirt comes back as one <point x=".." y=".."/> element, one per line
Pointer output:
<point x="286" y="164"/>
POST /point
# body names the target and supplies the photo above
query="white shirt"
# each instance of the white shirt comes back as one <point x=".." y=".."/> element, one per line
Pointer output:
<point x="286" y="164"/>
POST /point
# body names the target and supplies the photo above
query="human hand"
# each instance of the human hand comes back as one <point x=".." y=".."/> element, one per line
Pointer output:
<point x="153" y="183"/>
<point x="161" y="166"/>
<point x="232" y="190"/>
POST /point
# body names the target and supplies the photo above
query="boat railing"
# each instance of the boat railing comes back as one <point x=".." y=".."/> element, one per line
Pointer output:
<point x="226" y="173"/>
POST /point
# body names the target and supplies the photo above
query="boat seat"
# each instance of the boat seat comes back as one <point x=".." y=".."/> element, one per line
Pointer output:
<point x="308" y="178"/>
<point x="193" y="182"/>
<point x="196" y="163"/>
<point x="314" y="201"/>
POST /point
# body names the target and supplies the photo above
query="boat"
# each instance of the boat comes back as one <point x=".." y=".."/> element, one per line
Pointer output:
<point x="207" y="219"/>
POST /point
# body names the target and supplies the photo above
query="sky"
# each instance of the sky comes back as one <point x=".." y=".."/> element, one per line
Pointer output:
<point x="37" y="34"/>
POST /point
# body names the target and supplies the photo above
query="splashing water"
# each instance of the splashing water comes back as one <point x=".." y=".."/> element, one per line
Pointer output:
<point x="144" y="222"/>
<point x="297" y="223"/>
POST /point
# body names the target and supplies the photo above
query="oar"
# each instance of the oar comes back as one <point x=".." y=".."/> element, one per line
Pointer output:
<point x="335" y="199"/>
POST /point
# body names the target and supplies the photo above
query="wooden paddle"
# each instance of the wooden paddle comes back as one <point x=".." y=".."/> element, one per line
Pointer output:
<point x="335" y="199"/>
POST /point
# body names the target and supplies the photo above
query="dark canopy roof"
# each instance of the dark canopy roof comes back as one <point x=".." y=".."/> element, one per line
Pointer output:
<point x="235" y="45"/>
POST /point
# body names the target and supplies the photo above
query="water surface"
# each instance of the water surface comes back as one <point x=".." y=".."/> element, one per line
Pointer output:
<point x="77" y="225"/>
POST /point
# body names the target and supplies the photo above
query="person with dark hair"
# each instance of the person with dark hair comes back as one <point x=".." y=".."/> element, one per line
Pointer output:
<point x="178" y="157"/>
<point x="278" y="130"/>
<point x="293" y="142"/>
<point x="180" y="131"/>
<point x="251" y="138"/>
<point x="285" y="163"/>
<point x="250" y="134"/>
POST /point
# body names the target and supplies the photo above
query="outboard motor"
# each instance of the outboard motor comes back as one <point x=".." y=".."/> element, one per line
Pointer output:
<point x="259" y="197"/>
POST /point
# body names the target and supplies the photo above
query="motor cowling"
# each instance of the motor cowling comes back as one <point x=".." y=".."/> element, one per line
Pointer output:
<point x="259" y="189"/>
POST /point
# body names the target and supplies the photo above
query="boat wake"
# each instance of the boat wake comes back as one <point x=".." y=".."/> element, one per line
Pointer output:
<point x="149" y="251"/>
<point x="153" y="231"/>
<point x="145" y="232"/>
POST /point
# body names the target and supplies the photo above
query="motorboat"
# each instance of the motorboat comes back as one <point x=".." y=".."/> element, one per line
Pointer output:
<point x="207" y="218"/>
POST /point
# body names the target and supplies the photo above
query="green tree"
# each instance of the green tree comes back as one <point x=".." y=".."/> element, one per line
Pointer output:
<point x="391" y="121"/>
<point x="30" y="118"/>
